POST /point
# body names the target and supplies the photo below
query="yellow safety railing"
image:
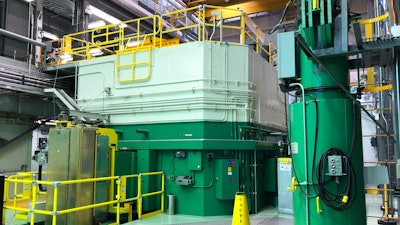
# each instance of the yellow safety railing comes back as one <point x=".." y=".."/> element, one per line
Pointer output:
<point x="104" y="40"/>
<point x="175" y="24"/>
<point x="141" y="195"/>
<point x="369" y="37"/>
<point x="21" y="191"/>
<point x="200" y="23"/>
<point x="118" y="199"/>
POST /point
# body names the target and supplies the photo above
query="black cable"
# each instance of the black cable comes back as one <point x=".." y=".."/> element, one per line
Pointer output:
<point x="331" y="199"/>
<point x="294" y="167"/>
<point x="282" y="17"/>
<point x="41" y="188"/>
<point x="298" y="182"/>
<point x="353" y="140"/>
<point x="315" y="139"/>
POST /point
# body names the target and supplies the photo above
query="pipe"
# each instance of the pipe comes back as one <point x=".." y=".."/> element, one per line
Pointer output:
<point x="386" y="202"/>
<point x="76" y="82"/>
<point x="396" y="114"/>
<point x="255" y="181"/>
<point x="214" y="25"/>
<point x="221" y="29"/>
<point x="3" y="16"/>
<point x="21" y="38"/>
<point x="305" y="146"/>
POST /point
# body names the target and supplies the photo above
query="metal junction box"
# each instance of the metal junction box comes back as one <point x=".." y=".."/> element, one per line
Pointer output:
<point x="184" y="180"/>
<point x="226" y="178"/>
<point x="287" y="55"/>
<point x="195" y="160"/>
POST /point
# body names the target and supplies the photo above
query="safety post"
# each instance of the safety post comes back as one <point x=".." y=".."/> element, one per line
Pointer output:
<point x="2" y="177"/>
<point x="240" y="210"/>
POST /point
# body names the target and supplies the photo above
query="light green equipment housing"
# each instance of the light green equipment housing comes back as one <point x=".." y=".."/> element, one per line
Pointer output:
<point x="210" y="116"/>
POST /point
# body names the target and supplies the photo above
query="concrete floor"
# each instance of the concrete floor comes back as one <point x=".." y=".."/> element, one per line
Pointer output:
<point x="267" y="216"/>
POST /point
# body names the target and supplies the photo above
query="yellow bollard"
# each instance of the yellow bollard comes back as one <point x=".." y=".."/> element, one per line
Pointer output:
<point x="240" y="210"/>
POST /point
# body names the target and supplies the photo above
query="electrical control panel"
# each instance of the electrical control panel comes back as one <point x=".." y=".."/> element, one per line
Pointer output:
<point x="226" y="178"/>
<point x="335" y="165"/>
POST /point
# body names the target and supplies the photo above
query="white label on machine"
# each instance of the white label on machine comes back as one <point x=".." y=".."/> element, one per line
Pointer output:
<point x="285" y="166"/>
<point x="294" y="147"/>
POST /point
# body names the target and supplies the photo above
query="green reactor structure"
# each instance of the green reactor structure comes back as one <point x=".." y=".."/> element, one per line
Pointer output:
<point x="324" y="120"/>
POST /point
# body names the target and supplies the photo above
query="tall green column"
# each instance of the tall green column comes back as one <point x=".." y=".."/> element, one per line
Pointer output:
<point x="330" y="127"/>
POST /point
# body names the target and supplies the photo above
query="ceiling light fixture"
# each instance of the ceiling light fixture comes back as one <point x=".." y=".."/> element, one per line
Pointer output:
<point x="96" y="52"/>
<point x="91" y="10"/>
<point x="95" y="24"/>
<point x="133" y="43"/>
<point x="49" y="35"/>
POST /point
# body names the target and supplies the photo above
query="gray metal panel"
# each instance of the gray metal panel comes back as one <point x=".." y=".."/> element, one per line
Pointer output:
<point x="285" y="197"/>
<point x="102" y="170"/>
<point x="376" y="175"/>
<point x="286" y="55"/>
<point x="84" y="194"/>
<point x="71" y="156"/>
<point x="58" y="158"/>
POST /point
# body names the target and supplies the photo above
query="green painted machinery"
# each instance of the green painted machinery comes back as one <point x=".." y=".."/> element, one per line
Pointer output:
<point x="210" y="116"/>
<point x="324" y="121"/>
<point x="205" y="170"/>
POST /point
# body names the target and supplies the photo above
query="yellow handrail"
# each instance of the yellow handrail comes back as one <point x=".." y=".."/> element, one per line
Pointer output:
<point x="75" y="47"/>
<point x="119" y="199"/>
<point x="370" y="86"/>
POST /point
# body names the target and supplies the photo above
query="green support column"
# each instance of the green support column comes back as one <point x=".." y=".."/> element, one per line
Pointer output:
<point x="332" y="122"/>
<point x="147" y="162"/>
<point x="324" y="123"/>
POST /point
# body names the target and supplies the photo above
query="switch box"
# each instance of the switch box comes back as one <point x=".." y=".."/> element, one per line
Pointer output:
<point x="335" y="165"/>
<point x="195" y="160"/>
<point x="226" y="178"/>
<point x="183" y="180"/>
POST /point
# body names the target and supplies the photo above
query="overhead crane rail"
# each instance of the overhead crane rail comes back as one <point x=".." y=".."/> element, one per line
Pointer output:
<point x="200" y="23"/>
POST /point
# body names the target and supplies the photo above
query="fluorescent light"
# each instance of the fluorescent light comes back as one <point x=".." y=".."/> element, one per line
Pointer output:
<point x="133" y="43"/>
<point x="49" y="35"/>
<point x="91" y="10"/>
<point x="96" y="52"/>
<point x="66" y="58"/>
<point x="95" y="24"/>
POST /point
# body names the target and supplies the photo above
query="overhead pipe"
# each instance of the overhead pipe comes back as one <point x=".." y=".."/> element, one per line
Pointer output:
<point x="22" y="38"/>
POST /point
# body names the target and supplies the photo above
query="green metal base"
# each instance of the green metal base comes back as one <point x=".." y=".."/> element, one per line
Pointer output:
<point x="216" y="158"/>
<point x="338" y="127"/>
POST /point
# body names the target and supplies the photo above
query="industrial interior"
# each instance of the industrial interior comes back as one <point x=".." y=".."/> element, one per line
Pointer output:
<point x="199" y="112"/>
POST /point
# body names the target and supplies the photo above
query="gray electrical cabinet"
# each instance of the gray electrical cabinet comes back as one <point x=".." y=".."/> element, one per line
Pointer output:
<point x="285" y="196"/>
<point x="71" y="156"/>
<point x="286" y="55"/>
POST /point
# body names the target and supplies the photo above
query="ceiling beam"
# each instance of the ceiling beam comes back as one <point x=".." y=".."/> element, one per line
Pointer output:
<point x="252" y="7"/>
<point x="65" y="4"/>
